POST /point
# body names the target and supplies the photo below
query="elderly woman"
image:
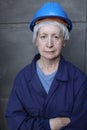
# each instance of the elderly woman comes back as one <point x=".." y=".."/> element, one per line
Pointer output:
<point x="50" y="93"/>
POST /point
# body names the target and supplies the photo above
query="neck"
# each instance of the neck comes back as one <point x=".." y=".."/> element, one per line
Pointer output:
<point x="48" y="66"/>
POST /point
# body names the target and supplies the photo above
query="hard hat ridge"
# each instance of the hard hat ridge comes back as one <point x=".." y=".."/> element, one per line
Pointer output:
<point x="51" y="10"/>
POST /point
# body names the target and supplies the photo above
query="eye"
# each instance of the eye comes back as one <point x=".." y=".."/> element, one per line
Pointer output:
<point x="56" y="37"/>
<point x="42" y="37"/>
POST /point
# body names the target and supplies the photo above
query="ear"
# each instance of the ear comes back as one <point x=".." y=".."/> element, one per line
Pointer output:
<point x="64" y="43"/>
<point x="36" y="43"/>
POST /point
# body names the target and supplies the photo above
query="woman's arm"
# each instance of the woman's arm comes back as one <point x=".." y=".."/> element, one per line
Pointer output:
<point x="17" y="114"/>
<point x="79" y="114"/>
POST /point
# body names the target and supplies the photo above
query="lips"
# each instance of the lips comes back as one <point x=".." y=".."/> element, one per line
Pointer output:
<point x="49" y="51"/>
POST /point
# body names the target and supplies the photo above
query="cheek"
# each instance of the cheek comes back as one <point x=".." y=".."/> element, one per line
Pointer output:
<point x="59" y="47"/>
<point x="39" y="46"/>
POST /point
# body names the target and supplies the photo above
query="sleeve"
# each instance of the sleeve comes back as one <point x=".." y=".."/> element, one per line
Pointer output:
<point x="79" y="113"/>
<point x="18" y="118"/>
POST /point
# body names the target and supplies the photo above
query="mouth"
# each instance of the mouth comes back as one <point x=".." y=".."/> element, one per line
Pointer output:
<point x="49" y="51"/>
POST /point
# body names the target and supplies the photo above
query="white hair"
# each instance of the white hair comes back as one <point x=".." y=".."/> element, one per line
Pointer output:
<point x="64" y="31"/>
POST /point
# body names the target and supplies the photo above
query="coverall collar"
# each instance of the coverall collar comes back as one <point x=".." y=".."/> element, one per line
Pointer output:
<point x="62" y="73"/>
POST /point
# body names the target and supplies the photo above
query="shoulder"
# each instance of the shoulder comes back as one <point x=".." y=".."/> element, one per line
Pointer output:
<point x="26" y="72"/>
<point x="76" y="75"/>
<point x="73" y="71"/>
<point x="29" y="70"/>
<point x="76" y="71"/>
<point x="23" y="75"/>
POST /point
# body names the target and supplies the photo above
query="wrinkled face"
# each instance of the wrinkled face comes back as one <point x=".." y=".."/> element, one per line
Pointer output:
<point x="49" y="41"/>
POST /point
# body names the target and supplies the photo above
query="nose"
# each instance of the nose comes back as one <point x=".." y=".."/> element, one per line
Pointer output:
<point x="49" y="42"/>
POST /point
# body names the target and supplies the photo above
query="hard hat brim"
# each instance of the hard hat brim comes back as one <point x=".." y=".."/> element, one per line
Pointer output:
<point x="68" y="21"/>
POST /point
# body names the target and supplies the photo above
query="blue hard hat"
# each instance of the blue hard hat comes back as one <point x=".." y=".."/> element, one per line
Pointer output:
<point x="48" y="10"/>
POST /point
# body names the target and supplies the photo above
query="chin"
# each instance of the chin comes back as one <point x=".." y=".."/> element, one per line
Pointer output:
<point x="51" y="57"/>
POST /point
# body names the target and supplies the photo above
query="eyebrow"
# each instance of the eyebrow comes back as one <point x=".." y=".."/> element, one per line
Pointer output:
<point x="47" y="33"/>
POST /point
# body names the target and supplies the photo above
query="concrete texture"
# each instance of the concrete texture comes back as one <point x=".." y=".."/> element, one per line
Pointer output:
<point x="17" y="50"/>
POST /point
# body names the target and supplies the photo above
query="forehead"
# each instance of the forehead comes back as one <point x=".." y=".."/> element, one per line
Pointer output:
<point x="49" y="28"/>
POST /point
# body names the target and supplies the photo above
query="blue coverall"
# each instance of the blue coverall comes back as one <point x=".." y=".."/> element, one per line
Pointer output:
<point x="30" y="107"/>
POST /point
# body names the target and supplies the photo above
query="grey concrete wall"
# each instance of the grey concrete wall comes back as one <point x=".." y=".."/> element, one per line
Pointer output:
<point x="17" y="50"/>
